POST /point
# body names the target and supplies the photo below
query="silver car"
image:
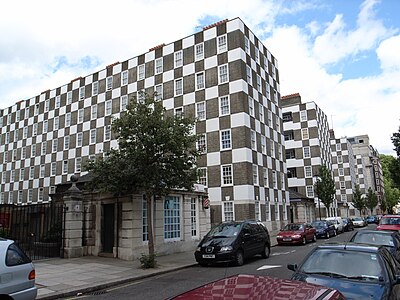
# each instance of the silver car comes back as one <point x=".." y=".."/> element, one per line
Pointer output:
<point x="17" y="272"/>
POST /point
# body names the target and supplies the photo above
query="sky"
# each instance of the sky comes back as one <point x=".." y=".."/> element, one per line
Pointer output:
<point x="342" y="54"/>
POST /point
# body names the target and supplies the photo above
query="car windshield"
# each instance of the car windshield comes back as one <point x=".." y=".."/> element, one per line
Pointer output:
<point x="345" y="264"/>
<point x="390" y="221"/>
<point x="357" y="219"/>
<point x="293" y="227"/>
<point x="374" y="238"/>
<point x="319" y="224"/>
<point x="225" y="230"/>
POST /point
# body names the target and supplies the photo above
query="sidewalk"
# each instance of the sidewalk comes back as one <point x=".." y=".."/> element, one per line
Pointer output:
<point x="56" y="278"/>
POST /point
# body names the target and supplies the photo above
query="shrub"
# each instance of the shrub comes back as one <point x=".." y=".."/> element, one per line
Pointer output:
<point x="148" y="261"/>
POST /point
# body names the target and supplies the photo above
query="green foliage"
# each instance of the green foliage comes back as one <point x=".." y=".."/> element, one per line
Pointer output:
<point x="148" y="261"/>
<point x="392" y="195"/>
<point x="4" y="232"/>
<point x="371" y="201"/>
<point x="325" y="187"/>
<point x="358" y="199"/>
<point x="54" y="234"/>
<point x="396" y="142"/>
<point x="391" y="169"/>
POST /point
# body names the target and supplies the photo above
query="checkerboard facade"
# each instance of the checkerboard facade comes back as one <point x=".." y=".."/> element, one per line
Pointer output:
<point x="222" y="75"/>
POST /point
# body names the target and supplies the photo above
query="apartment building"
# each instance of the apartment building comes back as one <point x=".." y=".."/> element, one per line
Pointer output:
<point x="344" y="173"/>
<point x="223" y="75"/>
<point x="307" y="143"/>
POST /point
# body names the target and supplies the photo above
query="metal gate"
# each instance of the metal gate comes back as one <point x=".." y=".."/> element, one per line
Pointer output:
<point x="36" y="228"/>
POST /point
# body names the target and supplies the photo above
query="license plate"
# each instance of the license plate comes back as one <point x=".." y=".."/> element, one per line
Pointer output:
<point x="208" y="255"/>
<point x="287" y="240"/>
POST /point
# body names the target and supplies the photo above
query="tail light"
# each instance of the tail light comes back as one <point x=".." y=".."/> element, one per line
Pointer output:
<point x="32" y="275"/>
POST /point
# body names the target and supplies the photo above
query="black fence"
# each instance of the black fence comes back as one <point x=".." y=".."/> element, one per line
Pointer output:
<point x="36" y="228"/>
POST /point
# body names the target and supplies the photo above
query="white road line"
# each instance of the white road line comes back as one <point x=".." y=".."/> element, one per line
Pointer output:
<point x="283" y="253"/>
<point x="265" y="267"/>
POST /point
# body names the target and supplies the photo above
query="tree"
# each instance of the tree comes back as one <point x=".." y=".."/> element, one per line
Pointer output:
<point x="156" y="154"/>
<point x="358" y="199"/>
<point x="325" y="187"/>
<point x="396" y="142"/>
<point x="371" y="201"/>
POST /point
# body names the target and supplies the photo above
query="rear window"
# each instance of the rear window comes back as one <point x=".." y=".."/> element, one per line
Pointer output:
<point x="15" y="256"/>
<point x="390" y="221"/>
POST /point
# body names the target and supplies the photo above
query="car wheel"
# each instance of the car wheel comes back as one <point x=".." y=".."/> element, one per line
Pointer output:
<point x="239" y="258"/>
<point x="266" y="251"/>
<point x="304" y="241"/>
<point x="314" y="239"/>
<point x="203" y="264"/>
<point x="328" y="235"/>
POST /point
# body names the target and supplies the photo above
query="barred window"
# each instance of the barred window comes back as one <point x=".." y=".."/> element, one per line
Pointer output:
<point x="228" y="213"/>
<point x="227" y="176"/>
<point x="172" y="218"/>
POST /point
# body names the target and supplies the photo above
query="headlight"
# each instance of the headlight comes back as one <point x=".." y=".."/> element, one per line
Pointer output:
<point x="225" y="249"/>
<point x="279" y="236"/>
<point x="297" y="236"/>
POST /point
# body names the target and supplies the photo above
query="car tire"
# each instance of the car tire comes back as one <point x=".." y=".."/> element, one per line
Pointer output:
<point x="266" y="251"/>
<point x="203" y="264"/>
<point x="328" y="235"/>
<point x="304" y="241"/>
<point x="239" y="258"/>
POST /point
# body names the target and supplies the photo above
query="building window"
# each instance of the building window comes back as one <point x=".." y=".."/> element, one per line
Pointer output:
<point x="304" y="133"/>
<point x="343" y="197"/>
<point x="23" y="153"/>
<point x="261" y="112"/>
<point x="69" y="97"/>
<point x="278" y="124"/>
<point x="158" y="66"/>
<point x="178" y="112"/>
<point x="270" y="119"/>
<point x="303" y="115"/>
<point x="145" y="228"/>
<point x="267" y="211"/>
<point x="34" y="130"/>
<point x="53" y="169"/>
<point x="253" y="140"/>
<point x="79" y="139"/>
<point x="222" y="43"/>
<point x="107" y="133"/>
<point x="30" y="196"/>
<point x="227" y="177"/>
<point x="274" y="180"/>
<point x="201" y="111"/>
<point x="201" y="143"/>
<point x="42" y="171"/>
<point x="93" y="113"/>
<point x="56" y="123"/>
<point x="255" y="174"/>
<point x="200" y="81"/>
<point x="178" y="61"/>
<point x="124" y="76"/>
<point x="65" y="167"/>
<point x="224" y="107"/>
<point x="172" y="218"/>
<point x="259" y="83"/>
<point x="57" y="102"/>
<point x="33" y="151"/>
<point x="141" y="72"/>
<point x="82" y="92"/>
<point x="108" y="107"/>
<point x="263" y="144"/>
<point x="66" y="142"/>
<point x="95" y="88"/>
<point x="310" y="191"/>
<point x="45" y="126"/>
<point x="158" y="92"/>
<point x="92" y="136"/>
<point x="247" y="45"/>
<point x="25" y="133"/>
<point x="80" y="115"/>
<point x="308" y="171"/>
<point x="109" y="83"/>
<point x="226" y="139"/>
<point x="124" y="102"/>
<point x="251" y="106"/>
<point x="78" y="164"/>
<point x="265" y="177"/>
<point x="306" y="152"/>
<point x="193" y="216"/>
<point x="199" y="51"/>
<point x="202" y="176"/>
<point x="342" y="185"/>
<point x="291" y="172"/>
<point x="20" y="197"/>
<point x="286" y="117"/>
<point x="68" y="119"/>
<point x="178" y="87"/>
<point x="248" y="74"/>
<point x="44" y="148"/>
<point x="272" y="149"/>
<point x="228" y="213"/>
<point x="54" y="146"/>
<point x="341" y="172"/>
<point x="338" y="147"/>
<point x="31" y="172"/>
<point x="223" y="74"/>
<point x="288" y="135"/>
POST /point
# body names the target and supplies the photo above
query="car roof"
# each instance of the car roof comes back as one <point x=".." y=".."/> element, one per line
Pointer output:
<point x="350" y="246"/>
<point x="383" y="232"/>
<point x="391" y="216"/>
<point x="249" y="285"/>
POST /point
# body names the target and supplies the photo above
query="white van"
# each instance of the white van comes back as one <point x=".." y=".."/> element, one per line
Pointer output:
<point x="338" y="222"/>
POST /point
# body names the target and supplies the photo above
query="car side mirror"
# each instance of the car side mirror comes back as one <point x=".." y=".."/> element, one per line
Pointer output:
<point x="292" y="267"/>
<point x="247" y="235"/>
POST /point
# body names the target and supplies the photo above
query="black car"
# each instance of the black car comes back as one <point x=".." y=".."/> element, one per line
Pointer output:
<point x="372" y="220"/>
<point x="324" y="228"/>
<point x="348" y="224"/>
<point x="233" y="241"/>
<point x="387" y="238"/>
<point x="358" y="271"/>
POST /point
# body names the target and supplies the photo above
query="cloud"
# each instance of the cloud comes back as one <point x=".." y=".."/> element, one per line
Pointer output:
<point x="388" y="54"/>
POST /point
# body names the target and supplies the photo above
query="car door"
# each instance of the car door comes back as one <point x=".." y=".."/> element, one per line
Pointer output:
<point x="248" y="240"/>
<point x="392" y="270"/>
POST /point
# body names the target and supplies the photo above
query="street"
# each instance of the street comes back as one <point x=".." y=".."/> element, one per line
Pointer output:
<point x="171" y="284"/>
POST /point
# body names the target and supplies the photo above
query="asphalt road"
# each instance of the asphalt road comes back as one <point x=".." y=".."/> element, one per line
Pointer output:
<point x="171" y="284"/>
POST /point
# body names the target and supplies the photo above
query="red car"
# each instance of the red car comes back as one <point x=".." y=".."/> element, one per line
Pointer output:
<point x="389" y="222"/>
<point x="260" y="287"/>
<point x="296" y="233"/>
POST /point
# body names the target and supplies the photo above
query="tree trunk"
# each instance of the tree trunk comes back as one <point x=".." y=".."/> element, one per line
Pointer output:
<point x="150" y="223"/>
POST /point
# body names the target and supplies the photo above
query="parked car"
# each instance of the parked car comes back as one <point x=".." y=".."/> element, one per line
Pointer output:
<point x="260" y="287"/>
<point x="233" y="241"/>
<point x="17" y="272"/>
<point x="358" y="271"/>
<point x="348" y="224"/>
<point x="324" y="228"/>
<point x="387" y="238"/>
<point x="389" y="222"/>
<point x="372" y="220"/>
<point x="359" y="222"/>
<point x="296" y="233"/>
<point x="338" y="222"/>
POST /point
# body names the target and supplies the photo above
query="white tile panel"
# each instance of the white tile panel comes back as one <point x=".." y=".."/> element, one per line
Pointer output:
<point x="213" y="159"/>
<point x="242" y="155"/>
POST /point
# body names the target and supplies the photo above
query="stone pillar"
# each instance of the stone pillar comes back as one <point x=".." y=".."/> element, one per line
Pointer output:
<point x="73" y="221"/>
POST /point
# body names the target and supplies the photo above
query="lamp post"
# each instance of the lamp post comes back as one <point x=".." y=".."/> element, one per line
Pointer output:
<point x="316" y="185"/>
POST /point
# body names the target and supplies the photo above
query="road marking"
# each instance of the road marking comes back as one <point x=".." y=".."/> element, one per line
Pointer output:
<point x="265" y="267"/>
<point x="283" y="253"/>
